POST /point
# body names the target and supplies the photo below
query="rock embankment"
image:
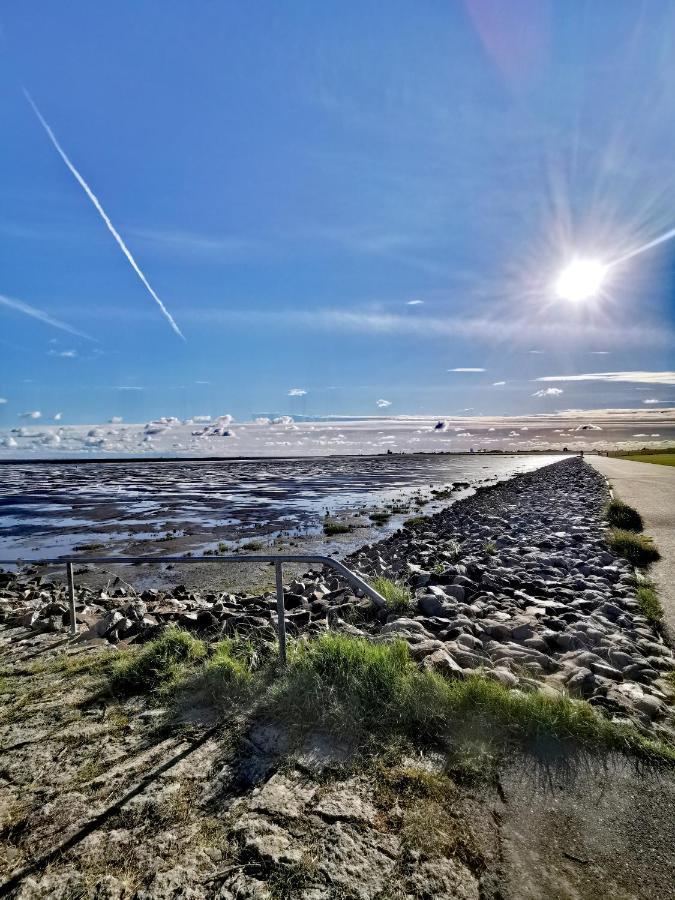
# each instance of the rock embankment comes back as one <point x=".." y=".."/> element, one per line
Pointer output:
<point x="516" y="582"/>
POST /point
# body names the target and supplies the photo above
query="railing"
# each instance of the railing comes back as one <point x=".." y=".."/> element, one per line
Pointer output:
<point x="278" y="561"/>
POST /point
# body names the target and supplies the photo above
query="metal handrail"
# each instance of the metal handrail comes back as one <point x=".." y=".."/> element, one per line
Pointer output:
<point x="278" y="560"/>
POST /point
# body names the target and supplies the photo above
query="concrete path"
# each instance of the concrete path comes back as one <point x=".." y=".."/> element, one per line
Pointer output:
<point x="651" y="490"/>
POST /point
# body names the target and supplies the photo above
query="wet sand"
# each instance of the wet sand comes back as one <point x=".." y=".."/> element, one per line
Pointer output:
<point x="207" y="507"/>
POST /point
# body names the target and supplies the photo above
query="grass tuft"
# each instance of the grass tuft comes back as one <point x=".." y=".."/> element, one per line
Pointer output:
<point x="638" y="549"/>
<point x="253" y="545"/>
<point x="397" y="595"/>
<point x="330" y="528"/>
<point x="649" y="603"/>
<point x="621" y="515"/>
<point x="228" y="673"/>
<point x="380" y="517"/>
<point x="375" y="692"/>
<point x="160" y="664"/>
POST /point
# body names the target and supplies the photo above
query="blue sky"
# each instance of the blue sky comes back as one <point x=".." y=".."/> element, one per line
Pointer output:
<point x="290" y="177"/>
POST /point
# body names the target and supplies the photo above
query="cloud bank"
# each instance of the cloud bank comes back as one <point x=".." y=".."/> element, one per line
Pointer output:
<point x="633" y="377"/>
<point x="200" y="436"/>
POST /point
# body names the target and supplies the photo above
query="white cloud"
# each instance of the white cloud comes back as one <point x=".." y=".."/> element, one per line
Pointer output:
<point x="414" y="302"/>
<point x="599" y="352"/>
<point x="297" y="392"/>
<point x="116" y="420"/>
<point x="548" y="392"/>
<point x="498" y="383"/>
<point x="202" y="382"/>
<point x="535" y="351"/>
<point x="3" y="400"/>
<point x="35" y="414"/>
<point x="466" y="369"/>
<point x="64" y="354"/>
<point x="383" y="403"/>
<point x="58" y="416"/>
<point x="130" y="387"/>
<point x="635" y="377"/>
<point x="652" y="400"/>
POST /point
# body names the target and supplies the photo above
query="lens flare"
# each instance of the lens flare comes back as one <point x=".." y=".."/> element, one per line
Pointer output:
<point x="581" y="280"/>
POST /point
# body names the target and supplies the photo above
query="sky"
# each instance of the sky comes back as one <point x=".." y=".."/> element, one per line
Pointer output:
<point x="321" y="210"/>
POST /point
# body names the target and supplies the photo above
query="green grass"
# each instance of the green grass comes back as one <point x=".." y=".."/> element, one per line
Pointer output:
<point x="379" y="517"/>
<point x="638" y="549"/>
<point x="490" y="548"/>
<point x="227" y="674"/>
<point x="331" y="528"/>
<point x="159" y="665"/>
<point x="376" y="692"/>
<point x="649" y="603"/>
<point x="397" y="595"/>
<point x="659" y="459"/>
<point x="253" y="545"/>
<point x="371" y="694"/>
<point x="621" y="515"/>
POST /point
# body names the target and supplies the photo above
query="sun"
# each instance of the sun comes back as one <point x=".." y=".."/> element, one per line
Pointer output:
<point x="580" y="280"/>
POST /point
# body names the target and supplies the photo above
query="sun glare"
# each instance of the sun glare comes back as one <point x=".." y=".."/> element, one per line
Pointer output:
<point x="580" y="280"/>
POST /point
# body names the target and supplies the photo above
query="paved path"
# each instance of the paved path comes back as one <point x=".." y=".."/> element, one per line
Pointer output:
<point x="651" y="490"/>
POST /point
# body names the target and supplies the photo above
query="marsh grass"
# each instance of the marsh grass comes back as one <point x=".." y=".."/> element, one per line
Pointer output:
<point x="621" y="515"/>
<point x="380" y="517"/>
<point x="414" y="521"/>
<point x="331" y="528"/>
<point x="638" y="549"/>
<point x="397" y="595"/>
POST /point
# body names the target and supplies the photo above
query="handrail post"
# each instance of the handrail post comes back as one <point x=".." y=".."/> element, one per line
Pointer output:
<point x="281" y="613"/>
<point x="71" y="597"/>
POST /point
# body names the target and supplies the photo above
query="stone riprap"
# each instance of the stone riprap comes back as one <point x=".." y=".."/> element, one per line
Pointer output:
<point x="515" y="582"/>
<point x="518" y="581"/>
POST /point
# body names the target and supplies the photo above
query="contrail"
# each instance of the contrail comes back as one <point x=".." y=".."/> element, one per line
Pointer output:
<point x="668" y="236"/>
<point x="111" y="228"/>
<point x="35" y="313"/>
